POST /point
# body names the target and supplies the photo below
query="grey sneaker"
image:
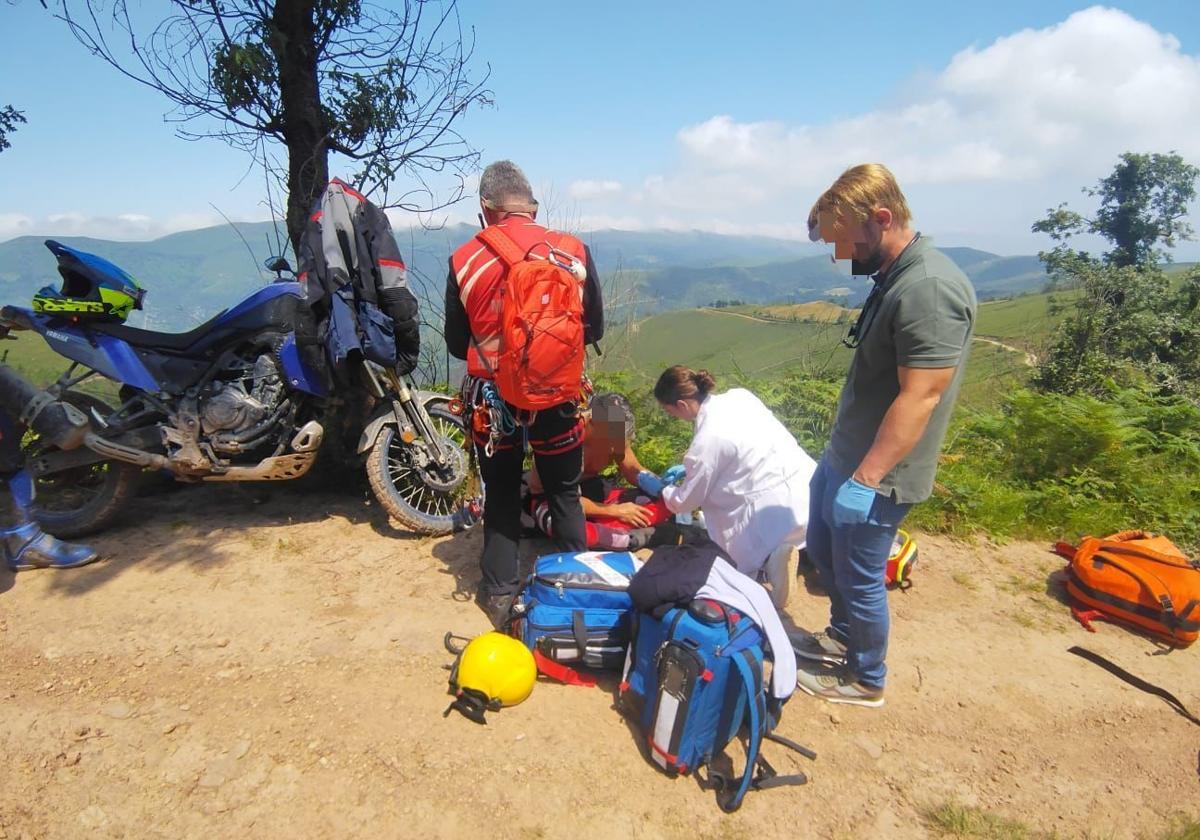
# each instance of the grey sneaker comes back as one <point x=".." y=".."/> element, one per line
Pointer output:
<point x="836" y="688"/>
<point x="820" y="647"/>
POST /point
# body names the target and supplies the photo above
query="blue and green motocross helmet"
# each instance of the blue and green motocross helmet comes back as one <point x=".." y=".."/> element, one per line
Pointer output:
<point x="92" y="287"/>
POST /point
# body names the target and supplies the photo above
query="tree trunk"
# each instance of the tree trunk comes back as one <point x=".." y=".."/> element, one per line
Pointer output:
<point x="293" y="41"/>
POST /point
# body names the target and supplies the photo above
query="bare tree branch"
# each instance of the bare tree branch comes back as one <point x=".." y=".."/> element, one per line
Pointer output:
<point x="380" y="86"/>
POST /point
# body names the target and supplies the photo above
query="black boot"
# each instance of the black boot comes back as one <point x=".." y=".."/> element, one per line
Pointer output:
<point x="498" y="608"/>
<point x="25" y="544"/>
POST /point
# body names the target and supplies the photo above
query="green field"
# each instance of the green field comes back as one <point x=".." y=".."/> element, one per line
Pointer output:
<point x="723" y="342"/>
<point x="31" y="357"/>
<point x="735" y="341"/>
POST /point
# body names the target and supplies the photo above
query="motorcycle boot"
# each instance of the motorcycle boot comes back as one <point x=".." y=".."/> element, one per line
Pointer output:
<point x="25" y="545"/>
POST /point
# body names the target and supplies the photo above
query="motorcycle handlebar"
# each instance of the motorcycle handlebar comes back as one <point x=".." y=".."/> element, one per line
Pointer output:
<point x="12" y="318"/>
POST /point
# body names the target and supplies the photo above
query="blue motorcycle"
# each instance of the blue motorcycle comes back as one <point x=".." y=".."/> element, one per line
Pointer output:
<point x="242" y="397"/>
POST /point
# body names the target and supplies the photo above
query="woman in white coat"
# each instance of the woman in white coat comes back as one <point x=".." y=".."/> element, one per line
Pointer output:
<point x="743" y="469"/>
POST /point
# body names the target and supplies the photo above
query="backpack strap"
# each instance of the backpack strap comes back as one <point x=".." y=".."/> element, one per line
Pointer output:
<point x="791" y="745"/>
<point x="1148" y="581"/>
<point x="579" y="631"/>
<point x="759" y="774"/>
<point x="1065" y="550"/>
<point x="1135" y="681"/>
<point x="1110" y="546"/>
<point x="751" y="675"/>
<point x="562" y="673"/>
<point x="508" y="252"/>
<point x="503" y="245"/>
<point x="1119" y="542"/>
<point x="1124" y="536"/>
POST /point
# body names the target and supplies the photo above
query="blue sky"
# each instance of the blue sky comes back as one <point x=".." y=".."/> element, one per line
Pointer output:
<point x="720" y="117"/>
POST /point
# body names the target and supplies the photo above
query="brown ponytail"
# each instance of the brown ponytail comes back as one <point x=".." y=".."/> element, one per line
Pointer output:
<point x="682" y="383"/>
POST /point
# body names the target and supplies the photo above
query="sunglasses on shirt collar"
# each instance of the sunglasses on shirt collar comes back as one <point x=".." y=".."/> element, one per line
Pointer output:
<point x="866" y="316"/>
<point x="870" y="308"/>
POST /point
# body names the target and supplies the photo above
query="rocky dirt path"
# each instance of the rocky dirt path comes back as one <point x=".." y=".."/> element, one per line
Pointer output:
<point x="247" y="668"/>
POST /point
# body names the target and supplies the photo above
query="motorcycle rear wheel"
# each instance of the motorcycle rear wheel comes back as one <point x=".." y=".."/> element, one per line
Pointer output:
<point x="82" y="500"/>
<point x="419" y="500"/>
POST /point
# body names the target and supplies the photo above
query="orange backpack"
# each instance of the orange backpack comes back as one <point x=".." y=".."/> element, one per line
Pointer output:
<point x="1137" y="578"/>
<point x="541" y="355"/>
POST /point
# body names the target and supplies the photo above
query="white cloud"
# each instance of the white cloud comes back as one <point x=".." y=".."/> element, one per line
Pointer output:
<point x="121" y="227"/>
<point x="14" y="224"/>
<point x="584" y="190"/>
<point x="1026" y="120"/>
<point x="1070" y="96"/>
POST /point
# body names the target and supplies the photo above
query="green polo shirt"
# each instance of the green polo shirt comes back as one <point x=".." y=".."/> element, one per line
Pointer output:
<point x="925" y="317"/>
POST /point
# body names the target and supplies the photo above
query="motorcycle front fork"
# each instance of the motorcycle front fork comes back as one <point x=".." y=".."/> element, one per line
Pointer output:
<point x="411" y="417"/>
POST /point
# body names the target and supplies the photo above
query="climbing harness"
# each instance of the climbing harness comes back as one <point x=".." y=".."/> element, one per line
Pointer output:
<point x="486" y="416"/>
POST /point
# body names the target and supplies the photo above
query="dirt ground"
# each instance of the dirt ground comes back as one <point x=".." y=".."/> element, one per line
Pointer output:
<point x="269" y="663"/>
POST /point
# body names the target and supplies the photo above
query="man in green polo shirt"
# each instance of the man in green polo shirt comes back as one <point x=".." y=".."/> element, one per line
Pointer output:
<point x="910" y="350"/>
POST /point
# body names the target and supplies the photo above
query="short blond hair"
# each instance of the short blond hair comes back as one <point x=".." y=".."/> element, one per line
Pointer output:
<point x="860" y="191"/>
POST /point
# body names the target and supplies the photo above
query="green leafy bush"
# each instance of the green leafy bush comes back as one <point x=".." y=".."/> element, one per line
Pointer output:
<point x="1042" y="466"/>
<point x="1049" y="465"/>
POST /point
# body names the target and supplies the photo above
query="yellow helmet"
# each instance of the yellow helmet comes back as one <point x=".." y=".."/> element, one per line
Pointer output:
<point x="492" y="671"/>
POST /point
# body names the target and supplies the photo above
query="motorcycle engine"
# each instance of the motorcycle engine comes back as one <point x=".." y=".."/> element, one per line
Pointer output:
<point x="241" y="403"/>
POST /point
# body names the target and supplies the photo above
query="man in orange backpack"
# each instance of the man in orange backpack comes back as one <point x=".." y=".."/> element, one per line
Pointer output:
<point x="522" y="303"/>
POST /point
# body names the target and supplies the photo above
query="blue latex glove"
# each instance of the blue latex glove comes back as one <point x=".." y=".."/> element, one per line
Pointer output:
<point x="674" y="475"/>
<point x="650" y="484"/>
<point x="852" y="504"/>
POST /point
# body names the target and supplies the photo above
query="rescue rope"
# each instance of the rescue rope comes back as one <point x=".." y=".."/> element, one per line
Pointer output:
<point x="485" y="413"/>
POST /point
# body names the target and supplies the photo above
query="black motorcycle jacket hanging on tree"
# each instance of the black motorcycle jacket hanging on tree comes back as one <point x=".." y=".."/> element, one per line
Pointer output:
<point x="356" y="282"/>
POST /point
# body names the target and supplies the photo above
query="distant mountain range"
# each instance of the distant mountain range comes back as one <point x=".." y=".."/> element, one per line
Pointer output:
<point x="191" y="275"/>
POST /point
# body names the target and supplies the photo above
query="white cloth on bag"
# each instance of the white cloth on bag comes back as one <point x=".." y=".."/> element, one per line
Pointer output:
<point x="730" y="587"/>
<point x="748" y="475"/>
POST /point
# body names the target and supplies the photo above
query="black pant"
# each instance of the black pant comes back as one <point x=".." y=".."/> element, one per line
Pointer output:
<point x="10" y="445"/>
<point x="556" y="438"/>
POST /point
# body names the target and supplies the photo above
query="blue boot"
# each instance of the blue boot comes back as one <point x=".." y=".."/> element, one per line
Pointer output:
<point x="29" y="547"/>
<point x="25" y="544"/>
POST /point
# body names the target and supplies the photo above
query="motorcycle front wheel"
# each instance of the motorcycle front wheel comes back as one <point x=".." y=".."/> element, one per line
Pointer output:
<point x="411" y="489"/>
<point x="81" y="500"/>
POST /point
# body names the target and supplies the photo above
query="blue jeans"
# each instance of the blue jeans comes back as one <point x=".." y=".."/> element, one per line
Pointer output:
<point x="852" y="560"/>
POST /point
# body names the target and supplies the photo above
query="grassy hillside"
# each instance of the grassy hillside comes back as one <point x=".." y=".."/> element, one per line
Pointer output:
<point x="758" y="341"/>
<point x="820" y="311"/>
<point x="753" y="336"/>
<point x="724" y="341"/>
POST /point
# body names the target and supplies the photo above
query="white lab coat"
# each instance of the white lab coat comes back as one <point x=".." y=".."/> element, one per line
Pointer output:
<point x="748" y="475"/>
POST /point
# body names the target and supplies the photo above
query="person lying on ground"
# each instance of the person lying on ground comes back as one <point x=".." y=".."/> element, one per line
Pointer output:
<point x="619" y="516"/>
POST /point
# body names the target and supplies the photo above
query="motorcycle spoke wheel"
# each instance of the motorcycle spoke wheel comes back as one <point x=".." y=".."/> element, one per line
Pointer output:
<point x="418" y="497"/>
<point x="83" y="500"/>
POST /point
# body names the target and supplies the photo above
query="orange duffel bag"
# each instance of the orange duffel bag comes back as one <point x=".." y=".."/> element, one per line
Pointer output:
<point x="1137" y="578"/>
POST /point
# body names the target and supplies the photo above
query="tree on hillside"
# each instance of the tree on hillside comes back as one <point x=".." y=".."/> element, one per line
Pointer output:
<point x="383" y="86"/>
<point x="1143" y="204"/>
<point x="1130" y="325"/>
<point x="10" y="118"/>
